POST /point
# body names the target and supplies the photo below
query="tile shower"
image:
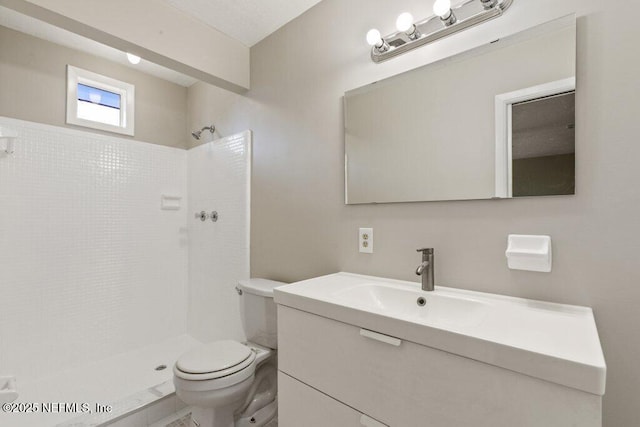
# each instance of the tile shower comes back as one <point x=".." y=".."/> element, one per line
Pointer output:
<point x="93" y="268"/>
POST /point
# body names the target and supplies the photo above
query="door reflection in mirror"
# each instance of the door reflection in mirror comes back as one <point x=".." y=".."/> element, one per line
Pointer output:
<point x="543" y="146"/>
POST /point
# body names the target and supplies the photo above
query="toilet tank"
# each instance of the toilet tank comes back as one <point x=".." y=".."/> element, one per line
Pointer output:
<point x="258" y="311"/>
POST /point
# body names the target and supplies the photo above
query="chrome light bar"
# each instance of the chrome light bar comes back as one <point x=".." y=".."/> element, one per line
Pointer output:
<point x="446" y="22"/>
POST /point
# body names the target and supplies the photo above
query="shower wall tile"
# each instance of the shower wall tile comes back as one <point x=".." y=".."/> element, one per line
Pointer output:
<point x="219" y="179"/>
<point x="90" y="266"/>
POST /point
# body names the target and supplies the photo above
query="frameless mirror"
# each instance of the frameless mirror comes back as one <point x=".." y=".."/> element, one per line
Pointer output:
<point x="493" y="122"/>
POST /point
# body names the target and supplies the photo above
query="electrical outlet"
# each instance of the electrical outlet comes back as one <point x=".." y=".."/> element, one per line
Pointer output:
<point x="365" y="240"/>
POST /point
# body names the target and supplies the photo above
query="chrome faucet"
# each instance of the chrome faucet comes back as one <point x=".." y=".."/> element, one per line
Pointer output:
<point x="426" y="269"/>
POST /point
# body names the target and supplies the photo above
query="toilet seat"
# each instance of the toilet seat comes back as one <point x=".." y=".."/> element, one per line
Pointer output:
<point x="221" y="380"/>
<point x="215" y="360"/>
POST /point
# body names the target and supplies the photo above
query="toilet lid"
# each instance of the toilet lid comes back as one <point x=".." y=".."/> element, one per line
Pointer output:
<point x="214" y="357"/>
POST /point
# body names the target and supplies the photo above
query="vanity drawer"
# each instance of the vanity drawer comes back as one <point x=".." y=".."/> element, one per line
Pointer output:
<point x="401" y="383"/>
<point x="301" y="405"/>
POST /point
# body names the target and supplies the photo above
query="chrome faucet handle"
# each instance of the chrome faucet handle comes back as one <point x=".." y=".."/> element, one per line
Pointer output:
<point x="421" y="268"/>
<point x="426" y="269"/>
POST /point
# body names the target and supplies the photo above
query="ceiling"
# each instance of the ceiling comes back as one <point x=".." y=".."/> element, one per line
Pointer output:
<point x="247" y="21"/>
<point x="26" y="24"/>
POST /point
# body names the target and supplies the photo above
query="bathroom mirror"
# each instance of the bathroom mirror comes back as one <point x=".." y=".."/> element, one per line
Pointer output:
<point x="494" y="122"/>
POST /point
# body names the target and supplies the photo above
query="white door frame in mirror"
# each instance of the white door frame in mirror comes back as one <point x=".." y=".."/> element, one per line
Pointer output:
<point x="503" y="105"/>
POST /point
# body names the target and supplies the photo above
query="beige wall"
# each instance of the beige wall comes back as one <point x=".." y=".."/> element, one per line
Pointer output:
<point x="33" y="87"/>
<point x="207" y="104"/>
<point x="301" y="227"/>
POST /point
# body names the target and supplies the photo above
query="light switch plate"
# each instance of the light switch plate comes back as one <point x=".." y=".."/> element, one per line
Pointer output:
<point x="365" y="240"/>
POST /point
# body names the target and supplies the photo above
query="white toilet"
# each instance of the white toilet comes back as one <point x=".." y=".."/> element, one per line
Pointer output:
<point x="233" y="384"/>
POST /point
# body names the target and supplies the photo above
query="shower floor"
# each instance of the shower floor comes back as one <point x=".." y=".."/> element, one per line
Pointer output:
<point x="127" y="382"/>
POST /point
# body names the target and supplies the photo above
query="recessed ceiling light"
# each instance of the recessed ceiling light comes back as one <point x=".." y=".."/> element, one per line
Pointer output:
<point x="134" y="59"/>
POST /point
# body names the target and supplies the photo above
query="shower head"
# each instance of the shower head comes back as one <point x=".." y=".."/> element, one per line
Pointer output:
<point x="198" y="133"/>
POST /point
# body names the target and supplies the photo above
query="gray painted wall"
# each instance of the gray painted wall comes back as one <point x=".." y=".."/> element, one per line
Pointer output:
<point x="33" y="87"/>
<point x="301" y="227"/>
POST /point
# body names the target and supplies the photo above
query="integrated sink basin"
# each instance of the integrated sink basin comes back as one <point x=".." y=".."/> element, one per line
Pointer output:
<point x="553" y="342"/>
<point x="402" y="301"/>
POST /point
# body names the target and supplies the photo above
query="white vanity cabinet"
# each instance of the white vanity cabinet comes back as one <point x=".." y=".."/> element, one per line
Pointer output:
<point x="331" y="373"/>
<point x="358" y="350"/>
<point x="308" y="407"/>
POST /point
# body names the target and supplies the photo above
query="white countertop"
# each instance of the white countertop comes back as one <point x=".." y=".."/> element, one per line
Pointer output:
<point x="553" y="342"/>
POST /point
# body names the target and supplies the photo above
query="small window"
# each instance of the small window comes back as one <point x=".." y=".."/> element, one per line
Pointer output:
<point x="99" y="102"/>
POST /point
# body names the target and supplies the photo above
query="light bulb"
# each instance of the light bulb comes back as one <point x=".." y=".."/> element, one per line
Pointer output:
<point x="404" y="22"/>
<point x="134" y="59"/>
<point x="442" y="8"/>
<point x="374" y="38"/>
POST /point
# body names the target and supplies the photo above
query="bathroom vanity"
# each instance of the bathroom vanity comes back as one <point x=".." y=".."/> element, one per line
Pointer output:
<point x="364" y="351"/>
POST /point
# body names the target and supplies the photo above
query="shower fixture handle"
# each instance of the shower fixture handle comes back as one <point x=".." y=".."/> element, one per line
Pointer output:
<point x="203" y="216"/>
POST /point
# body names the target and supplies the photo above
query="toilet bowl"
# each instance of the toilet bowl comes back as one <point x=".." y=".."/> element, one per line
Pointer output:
<point x="233" y="384"/>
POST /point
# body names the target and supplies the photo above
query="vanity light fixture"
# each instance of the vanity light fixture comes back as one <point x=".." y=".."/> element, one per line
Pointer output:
<point x="447" y="20"/>
<point x="376" y="41"/>
<point x="488" y="4"/>
<point x="405" y="24"/>
<point x="442" y="8"/>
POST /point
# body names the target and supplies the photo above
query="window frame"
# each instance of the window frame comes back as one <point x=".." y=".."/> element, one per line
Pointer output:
<point x="126" y="91"/>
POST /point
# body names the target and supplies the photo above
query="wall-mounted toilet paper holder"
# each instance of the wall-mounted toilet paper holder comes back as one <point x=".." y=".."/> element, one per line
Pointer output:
<point x="528" y="252"/>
